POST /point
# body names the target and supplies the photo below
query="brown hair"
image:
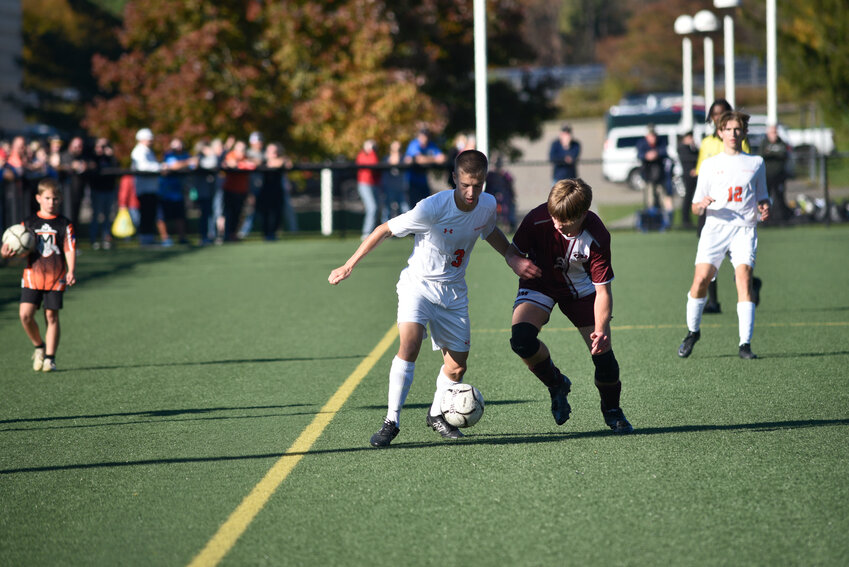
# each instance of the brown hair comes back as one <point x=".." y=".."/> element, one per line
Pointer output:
<point x="741" y="117"/>
<point x="49" y="184"/>
<point x="471" y="162"/>
<point x="569" y="199"/>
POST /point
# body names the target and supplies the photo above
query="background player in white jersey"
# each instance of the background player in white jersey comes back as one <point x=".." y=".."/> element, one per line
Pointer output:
<point x="571" y="246"/>
<point x="732" y="192"/>
<point x="432" y="288"/>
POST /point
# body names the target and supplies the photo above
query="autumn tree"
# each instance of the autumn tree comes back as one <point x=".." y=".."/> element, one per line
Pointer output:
<point x="319" y="76"/>
<point x="309" y="74"/>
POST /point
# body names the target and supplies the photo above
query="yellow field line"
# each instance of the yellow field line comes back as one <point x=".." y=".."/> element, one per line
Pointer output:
<point x="230" y="531"/>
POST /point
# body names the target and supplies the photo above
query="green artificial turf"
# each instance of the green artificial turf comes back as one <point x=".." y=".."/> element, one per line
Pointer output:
<point x="185" y="375"/>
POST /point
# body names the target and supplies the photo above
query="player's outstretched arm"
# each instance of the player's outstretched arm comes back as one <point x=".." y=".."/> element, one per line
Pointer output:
<point x="377" y="236"/>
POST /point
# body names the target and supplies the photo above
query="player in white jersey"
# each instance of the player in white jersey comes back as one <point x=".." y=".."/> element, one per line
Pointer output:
<point x="432" y="288"/>
<point x="732" y="192"/>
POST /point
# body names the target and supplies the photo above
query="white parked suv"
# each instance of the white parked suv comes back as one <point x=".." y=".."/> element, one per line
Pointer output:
<point x="619" y="162"/>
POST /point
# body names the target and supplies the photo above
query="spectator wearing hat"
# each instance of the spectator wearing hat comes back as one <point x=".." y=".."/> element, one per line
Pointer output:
<point x="147" y="186"/>
<point x="564" y="154"/>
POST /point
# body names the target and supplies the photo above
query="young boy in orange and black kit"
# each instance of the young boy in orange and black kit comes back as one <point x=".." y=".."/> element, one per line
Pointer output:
<point x="50" y="268"/>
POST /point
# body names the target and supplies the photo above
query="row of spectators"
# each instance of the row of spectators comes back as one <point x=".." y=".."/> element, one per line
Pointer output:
<point x="233" y="186"/>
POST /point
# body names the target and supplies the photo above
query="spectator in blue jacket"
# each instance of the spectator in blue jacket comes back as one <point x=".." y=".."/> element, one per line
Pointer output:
<point x="564" y="154"/>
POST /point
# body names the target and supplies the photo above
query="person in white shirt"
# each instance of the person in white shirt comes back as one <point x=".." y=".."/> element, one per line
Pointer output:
<point x="432" y="288"/>
<point x="147" y="186"/>
<point x="732" y="192"/>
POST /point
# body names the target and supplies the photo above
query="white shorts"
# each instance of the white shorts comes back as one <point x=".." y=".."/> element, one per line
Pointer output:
<point x="443" y="307"/>
<point x="740" y="242"/>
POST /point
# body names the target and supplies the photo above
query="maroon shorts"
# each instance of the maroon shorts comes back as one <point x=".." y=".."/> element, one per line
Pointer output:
<point x="579" y="311"/>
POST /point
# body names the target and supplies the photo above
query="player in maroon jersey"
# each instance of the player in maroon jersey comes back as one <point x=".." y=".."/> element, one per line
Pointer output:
<point x="571" y="246"/>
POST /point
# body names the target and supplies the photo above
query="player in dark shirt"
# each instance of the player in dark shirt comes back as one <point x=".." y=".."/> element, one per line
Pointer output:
<point x="571" y="246"/>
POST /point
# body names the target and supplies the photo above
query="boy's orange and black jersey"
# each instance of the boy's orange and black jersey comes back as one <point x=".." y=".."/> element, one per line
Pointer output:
<point x="46" y="265"/>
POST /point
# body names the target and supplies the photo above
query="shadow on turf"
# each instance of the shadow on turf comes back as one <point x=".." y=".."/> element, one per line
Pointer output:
<point x="422" y="406"/>
<point x="787" y="354"/>
<point x="150" y="413"/>
<point x="213" y="362"/>
<point x="485" y="439"/>
<point x="95" y="266"/>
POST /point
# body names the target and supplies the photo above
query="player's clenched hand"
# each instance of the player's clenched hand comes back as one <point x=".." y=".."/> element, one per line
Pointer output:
<point x="763" y="208"/>
<point x="339" y="274"/>
<point x="600" y="342"/>
<point x="523" y="267"/>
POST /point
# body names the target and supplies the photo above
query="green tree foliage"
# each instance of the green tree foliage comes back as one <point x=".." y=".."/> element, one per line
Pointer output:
<point x="60" y="37"/>
<point x="319" y="76"/>
<point x="813" y="54"/>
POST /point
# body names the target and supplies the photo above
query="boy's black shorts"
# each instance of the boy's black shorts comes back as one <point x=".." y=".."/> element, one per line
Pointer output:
<point x="52" y="299"/>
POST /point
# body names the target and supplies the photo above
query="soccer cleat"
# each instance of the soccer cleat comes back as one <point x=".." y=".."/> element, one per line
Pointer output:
<point x="687" y="345"/>
<point x="756" y="290"/>
<point x="438" y="424"/>
<point x="386" y="434"/>
<point x="712" y="308"/>
<point x="49" y="365"/>
<point x="38" y="358"/>
<point x="615" y="420"/>
<point x="560" y="408"/>
<point x="746" y="351"/>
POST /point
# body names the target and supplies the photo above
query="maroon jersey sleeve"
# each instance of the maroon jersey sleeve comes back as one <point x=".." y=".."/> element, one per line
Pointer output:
<point x="601" y="266"/>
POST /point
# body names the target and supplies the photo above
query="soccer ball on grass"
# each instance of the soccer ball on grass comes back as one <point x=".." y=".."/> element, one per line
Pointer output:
<point x="19" y="239"/>
<point x="462" y="405"/>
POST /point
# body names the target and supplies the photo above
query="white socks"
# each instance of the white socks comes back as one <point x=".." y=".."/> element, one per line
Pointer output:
<point x="443" y="382"/>
<point x="400" y="379"/>
<point x="695" y="308"/>
<point x="746" y="321"/>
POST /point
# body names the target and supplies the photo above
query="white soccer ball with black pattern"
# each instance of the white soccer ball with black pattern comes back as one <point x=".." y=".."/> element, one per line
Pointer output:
<point x="462" y="405"/>
<point x="19" y="239"/>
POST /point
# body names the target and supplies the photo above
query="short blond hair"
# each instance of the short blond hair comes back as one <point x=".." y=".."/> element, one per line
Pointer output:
<point x="569" y="199"/>
<point x="49" y="184"/>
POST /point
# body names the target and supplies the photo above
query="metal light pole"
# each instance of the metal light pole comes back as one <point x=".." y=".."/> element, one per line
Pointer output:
<point x="481" y="102"/>
<point x="684" y="26"/>
<point x="728" y="37"/>
<point x="771" y="65"/>
<point x="705" y="22"/>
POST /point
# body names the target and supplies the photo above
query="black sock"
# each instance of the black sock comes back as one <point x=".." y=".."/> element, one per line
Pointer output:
<point x="712" y="293"/>
<point x="42" y="345"/>
<point x="547" y="373"/>
<point x="609" y="394"/>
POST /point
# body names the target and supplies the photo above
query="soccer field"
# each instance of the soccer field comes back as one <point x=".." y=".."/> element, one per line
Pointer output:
<point x="214" y="406"/>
